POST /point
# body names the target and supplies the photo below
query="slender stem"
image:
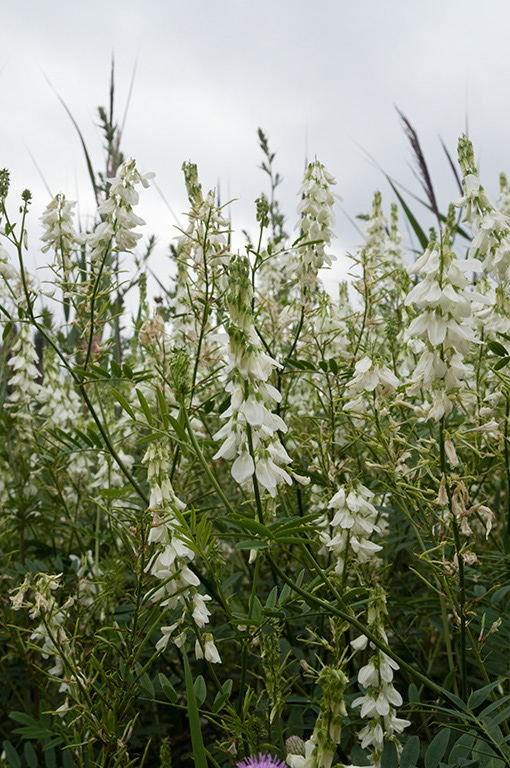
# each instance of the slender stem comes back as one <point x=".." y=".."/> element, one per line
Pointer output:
<point x="460" y="561"/>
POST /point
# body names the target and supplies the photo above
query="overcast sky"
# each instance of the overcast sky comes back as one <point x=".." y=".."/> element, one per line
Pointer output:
<point x="320" y="78"/>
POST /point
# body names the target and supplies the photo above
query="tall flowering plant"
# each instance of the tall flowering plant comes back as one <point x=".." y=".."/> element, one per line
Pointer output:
<point x="255" y="524"/>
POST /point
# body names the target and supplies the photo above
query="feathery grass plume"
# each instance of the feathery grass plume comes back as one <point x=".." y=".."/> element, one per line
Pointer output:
<point x="423" y="171"/>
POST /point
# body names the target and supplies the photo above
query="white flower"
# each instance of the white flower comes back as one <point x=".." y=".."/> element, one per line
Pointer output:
<point x="210" y="651"/>
<point x="369" y="376"/>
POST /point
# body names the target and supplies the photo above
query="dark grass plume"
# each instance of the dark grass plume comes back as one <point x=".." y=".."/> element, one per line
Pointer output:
<point x="423" y="171"/>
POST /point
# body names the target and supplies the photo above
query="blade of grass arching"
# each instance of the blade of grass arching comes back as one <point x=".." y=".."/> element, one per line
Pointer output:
<point x="159" y="282"/>
<point x="351" y="220"/>
<point x="48" y="190"/>
<point x="82" y="140"/>
<point x="130" y="93"/>
<point x="412" y="220"/>
<point x="158" y="189"/>
<point x="461" y="232"/>
<point x="452" y="165"/>
<point x="199" y="754"/>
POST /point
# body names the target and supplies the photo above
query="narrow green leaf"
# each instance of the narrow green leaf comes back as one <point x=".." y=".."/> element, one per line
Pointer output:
<point x="497" y="348"/>
<point x="50" y="757"/>
<point x="389" y="757"/>
<point x="146" y="685"/>
<point x="12" y="756"/>
<point x="271" y="600"/>
<point x="7" y="330"/>
<point x="253" y="526"/>
<point x="100" y="371"/>
<point x="116" y="369"/>
<point x="209" y="405"/>
<point x="252" y="544"/>
<point x="30" y="755"/>
<point x="500" y="594"/>
<point x="479" y="696"/>
<point x="178" y="428"/>
<point x="200" y="689"/>
<point x="84" y="437"/>
<point x="412" y="221"/>
<point x="450" y="677"/>
<point x="148" y="438"/>
<point x="127" y="371"/>
<point x="224" y="404"/>
<point x="167" y="688"/>
<point x="161" y="402"/>
<point x="123" y="403"/>
<point x="461" y="748"/>
<point x="145" y="406"/>
<point x="219" y="701"/>
<point x="502" y="362"/>
<point x="410" y="753"/>
<point x="413" y="694"/>
<point x="95" y="437"/>
<point x="199" y="754"/>
<point x="437" y="748"/>
<point x="86" y="374"/>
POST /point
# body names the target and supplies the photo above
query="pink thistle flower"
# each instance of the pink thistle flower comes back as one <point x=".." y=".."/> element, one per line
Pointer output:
<point x="262" y="761"/>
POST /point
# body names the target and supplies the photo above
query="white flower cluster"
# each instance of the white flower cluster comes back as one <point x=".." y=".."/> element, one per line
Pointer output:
<point x="59" y="232"/>
<point x="491" y="243"/>
<point x="376" y="227"/>
<point x="88" y="574"/>
<point x="381" y="698"/>
<point x="445" y="324"/>
<point x="60" y="404"/>
<point x="490" y="227"/>
<point x="369" y="376"/>
<point x="320" y="748"/>
<point x="329" y="324"/>
<point x="6" y="269"/>
<point x="25" y="390"/>
<point x="49" y="635"/>
<point x="355" y="520"/>
<point x="251" y="433"/>
<point x="316" y="224"/>
<point x="115" y="232"/>
<point x="202" y="253"/>
<point x="393" y="251"/>
<point x="170" y="563"/>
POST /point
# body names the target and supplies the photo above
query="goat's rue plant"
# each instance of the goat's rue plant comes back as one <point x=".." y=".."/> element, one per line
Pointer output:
<point x="255" y="524"/>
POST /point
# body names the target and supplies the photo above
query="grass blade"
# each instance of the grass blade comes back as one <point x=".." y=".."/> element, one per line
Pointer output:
<point x="199" y="754"/>
<point x="412" y="221"/>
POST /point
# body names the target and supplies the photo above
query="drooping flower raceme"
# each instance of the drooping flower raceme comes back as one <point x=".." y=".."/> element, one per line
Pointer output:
<point x="491" y="244"/>
<point x="316" y="224"/>
<point x="445" y="324"/>
<point x="355" y="520"/>
<point x="59" y="232"/>
<point x="318" y="751"/>
<point x="25" y="389"/>
<point x="115" y="232"/>
<point x="381" y="699"/>
<point x="251" y="434"/>
<point x="171" y="561"/>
